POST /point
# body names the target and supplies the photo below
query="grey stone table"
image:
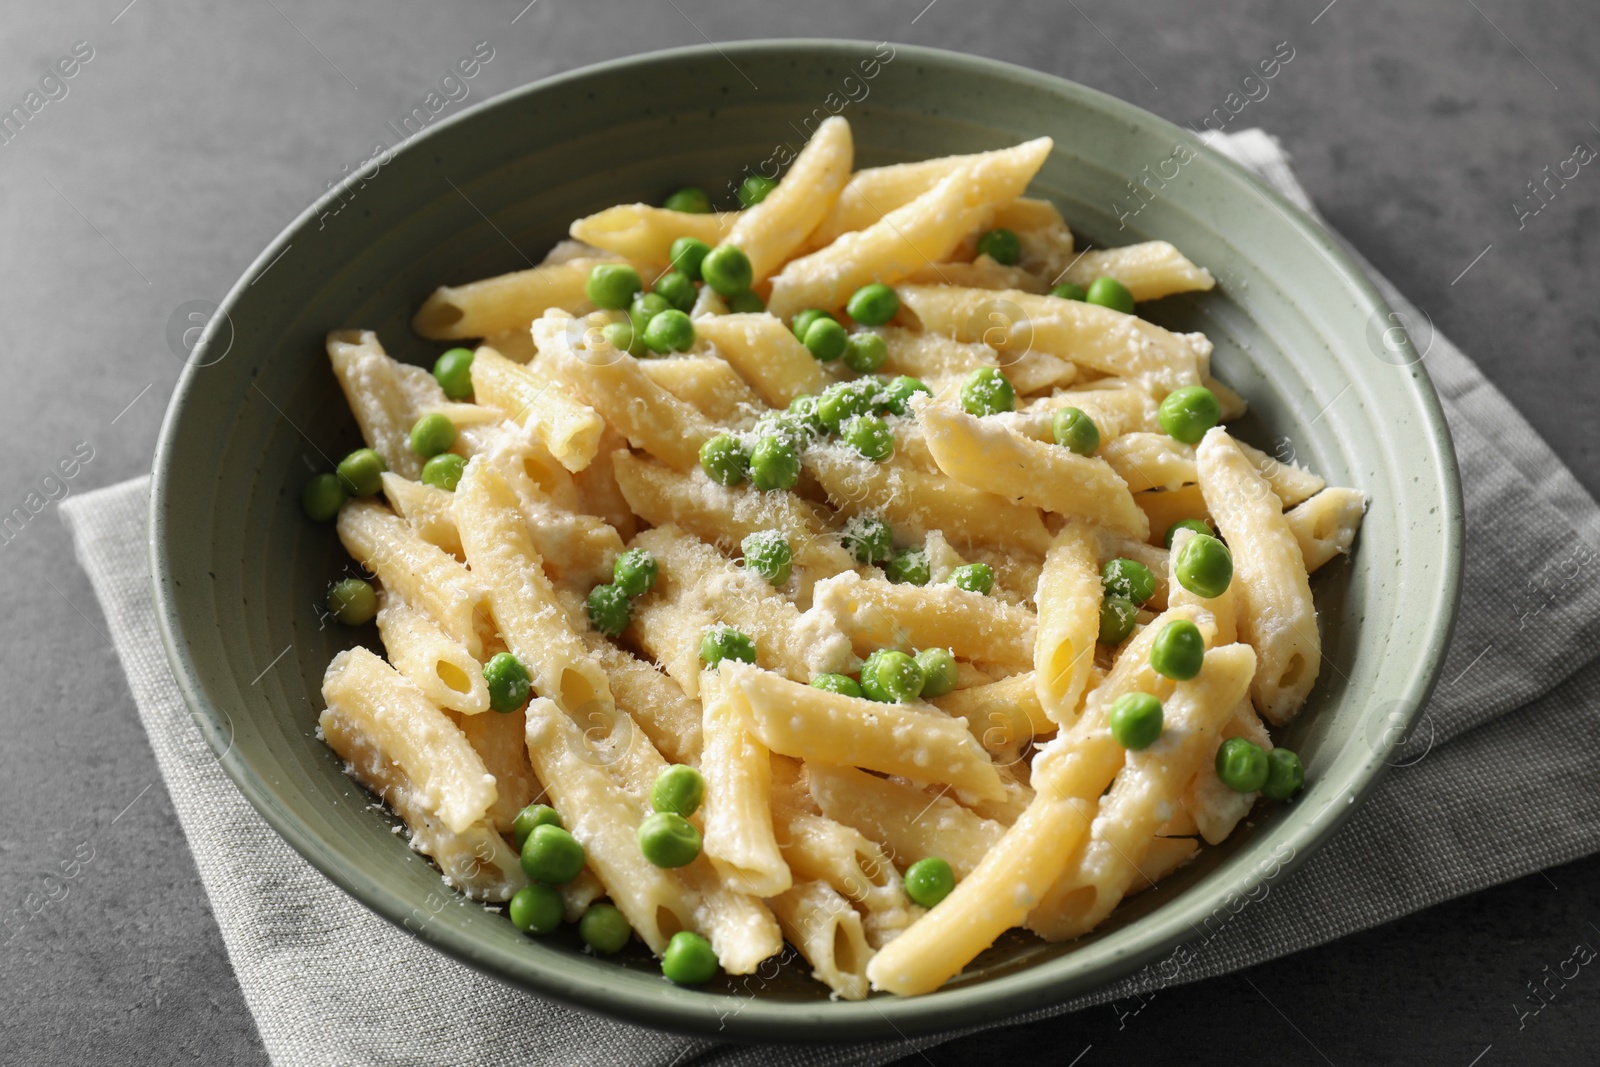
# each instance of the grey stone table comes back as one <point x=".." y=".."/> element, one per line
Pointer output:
<point x="190" y="133"/>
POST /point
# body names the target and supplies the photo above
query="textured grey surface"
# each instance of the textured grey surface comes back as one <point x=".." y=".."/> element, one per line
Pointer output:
<point x="194" y="134"/>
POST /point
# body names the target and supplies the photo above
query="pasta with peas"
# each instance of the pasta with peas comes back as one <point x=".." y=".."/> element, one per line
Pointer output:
<point x="748" y="579"/>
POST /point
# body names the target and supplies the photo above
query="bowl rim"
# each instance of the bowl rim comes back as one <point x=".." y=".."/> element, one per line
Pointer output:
<point x="981" y="1004"/>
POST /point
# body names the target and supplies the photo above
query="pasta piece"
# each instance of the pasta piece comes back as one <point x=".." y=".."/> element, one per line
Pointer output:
<point x="984" y="455"/>
<point x="1044" y="237"/>
<point x="910" y="824"/>
<point x="981" y="273"/>
<point x="1144" y="794"/>
<point x="1150" y="270"/>
<point x="577" y="550"/>
<point x="914" y="503"/>
<point x="817" y="848"/>
<point x="605" y="819"/>
<point x="526" y="608"/>
<point x="1162" y="856"/>
<point x="827" y="931"/>
<point x="1233" y="405"/>
<point x="1325" y="525"/>
<point x="1003" y="715"/>
<point x="770" y="232"/>
<point x="1272" y="596"/>
<point x="878" y="614"/>
<point x="644" y="234"/>
<point x="374" y="701"/>
<point x="500" y="741"/>
<point x="1217" y="808"/>
<point x="503" y="303"/>
<point x="707" y="384"/>
<point x="925" y="230"/>
<point x="516" y="345"/>
<point x="739" y="838"/>
<point x="1115" y="405"/>
<point x="475" y="860"/>
<point x="1069" y="622"/>
<point x="570" y="430"/>
<point x="427" y="508"/>
<point x="933" y="357"/>
<point x="1149" y="461"/>
<point x="597" y="490"/>
<point x="1089" y="335"/>
<point x="696" y="587"/>
<point x="442" y="669"/>
<point x="383" y="398"/>
<point x="414" y="570"/>
<point x="1163" y="508"/>
<point x="765" y="353"/>
<point x="668" y="718"/>
<point x="799" y="720"/>
<point x="627" y="398"/>
<point x="726" y="516"/>
<point x="1291" y="484"/>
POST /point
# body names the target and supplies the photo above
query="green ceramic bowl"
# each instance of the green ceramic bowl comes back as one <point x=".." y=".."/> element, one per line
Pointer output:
<point x="239" y="572"/>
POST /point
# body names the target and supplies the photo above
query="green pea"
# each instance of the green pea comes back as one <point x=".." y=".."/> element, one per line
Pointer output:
<point x="774" y="464"/>
<point x="688" y="959"/>
<point x="1241" y="765"/>
<point x="604" y="929"/>
<point x="929" y="880"/>
<point x="453" y="371"/>
<point x="353" y="602"/>
<point x="1205" y="566"/>
<point x="802" y="322"/>
<point x="1068" y="291"/>
<point x="322" y="498"/>
<point x="767" y="552"/>
<point x="1135" y="721"/>
<point x="826" y="340"/>
<point x="939" y="672"/>
<point x="805" y="409"/>
<point x="1199" y="526"/>
<point x="361" y="472"/>
<point x="1117" y="616"/>
<point x="508" y="682"/>
<point x="670" y="331"/>
<point x="609" y="610"/>
<point x="897" y="395"/>
<point x="687" y="254"/>
<point x="1179" y="650"/>
<point x="537" y="909"/>
<point x="676" y="289"/>
<point x="841" y="402"/>
<point x="645" y="307"/>
<point x="1129" y="579"/>
<point x="623" y="337"/>
<point x="727" y="270"/>
<point x="754" y="189"/>
<point x="1285" y="775"/>
<point x="1110" y="293"/>
<point x="612" y="285"/>
<point x="891" y="677"/>
<point x="634" y="572"/>
<point x="432" y="434"/>
<point x="724" y="642"/>
<point x="691" y="200"/>
<point x="865" y="353"/>
<point x="868" y="538"/>
<point x="678" y="789"/>
<point x="1000" y="245"/>
<point x="1186" y="414"/>
<point x="669" y="840"/>
<point x="986" y="392"/>
<point x="746" y="303"/>
<point x="1075" y="431"/>
<point x="873" y="305"/>
<point x="842" y="684"/>
<point x="444" y="471"/>
<point x="529" y="817"/>
<point x="973" y="577"/>
<point x="794" y="430"/>
<point x="869" y="436"/>
<point x="551" y="855"/>
<point x="724" y="459"/>
<point x="909" y="567"/>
